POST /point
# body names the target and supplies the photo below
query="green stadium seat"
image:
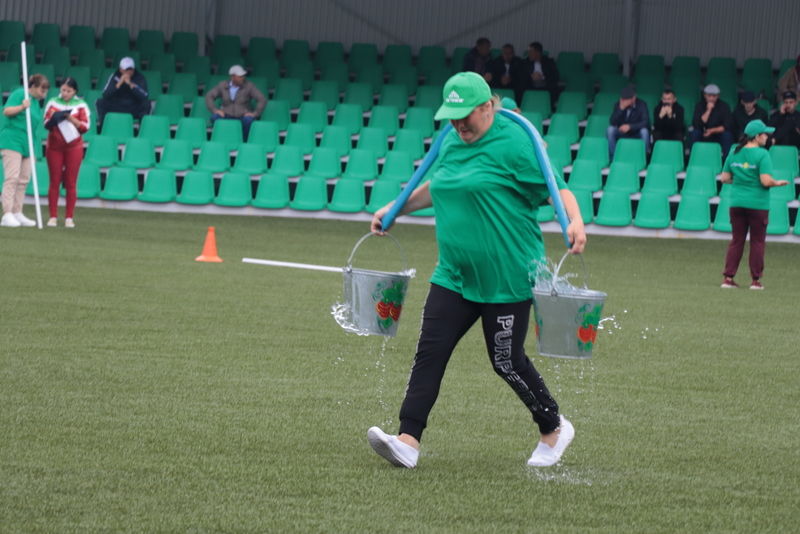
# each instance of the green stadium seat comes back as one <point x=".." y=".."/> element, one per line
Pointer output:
<point x="398" y="166"/>
<point x="614" y="209"/>
<point x="183" y="45"/>
<point x="260" y="48"/>
<point x="585" y="201"/>
<point x="349" y="116"/>
<point x="572" y="102"/>
<point x="102" y="151"/>
<point x="165" y="64"/>
<point x="150" y="43"/>
<point x="383" y="192"/>
<point x="545" y="213"/>
<point x="631" y="151"/>
<point x="431" y="60"/>
<point x="604" y="102"/>
<point x="668" y="153"/>
<point x="214" y="158"/>
<point x="559" y="151"/>
<point x="80" y="38"/>
<point x="604" y="63"/>
<point x="595" y="149"/>
<point x="115" y="41"/>
<point x="699" y="181"/>
<point x="177" y="156"/>
<point x="336" y="138"/>
<point x="121" y="184"/>
<point x="225" y="46"/>
<point x="778" y="217"/>
<point x="757" y="76"/>
<point x="348" y="197"/>
<point x="197" y="188"/>
<point x="722" y="219"/>
<point x="288" y="161"/>
<point x="373" y="139"/>
<point x="785" y="158"/>
<point x="193" y="131"/>
<point x="457" y="59"/>
<point x="10" y="75"/>
<point x="394" y="95"/>
<point x="154" y="84"/>
<point x="570" y="64"/>
<point x="649" y="65"/>
<point x="721" y="68"/>
<point x="437" y="79"/>
<point x="597" y="125"/>
<point x="622" y="176"/>
<point x="328" y="52"/>
<point x="251" y="159"/>
<point x="706" y="155"/>
<point x="504" y="93"/>
<point x="303" y="71"/>
<point x="420" y="119"/>
<point x="325" y="162"/>
<point x="652" y="211"/>
<point x="386" y="117"/>
<point x="235" y="190"/>
<point x="784" y="193"/>
<point x="139" y="154"/>
<point x="42" y="179"/>
<point x="694" y="213"/>
<point x="613" y="83"/>
<point x="396" y="56"/>
<point x="311" y="194"/>
<point x="155" y="128"/>
<point x="581" y="83"/>
<point x="371" y="75"/>
<point x="15" y="55"/>
<point x="337" y="73"/>
<point x="410" y="142"/>
<point x="429" y="96"/>
<point x="585" y="175"/>
<point x="361" y="165"/>
<point x="661" y="179"/>
<point x="301" y="136"/>
<point x="266" y="134"/>
<point x="359" y="93"/>
<point x="159" y="187"/>
<point x="314" y="114"/>
<point x="228" y="132"/>
<point x="59" y="58"/>
<point x="362" y="55"/>
<point x="406" y="76"/>
<point x="88" y="185"/>
<point x="171" y="106"/>
<point x="268" y="68"/>
<point x="326" y="92"/>
<point x="45" y="36"/>
<point x="272" y="192"/>
<point x="290" y="90"/>
<point x="279" y="112"/>
<point x="184" y="84"/>
<point x="295" y="51"/>
<point x="685" y="67"/>
<point x="564" y="125"/>
<point x="82" y="75"/>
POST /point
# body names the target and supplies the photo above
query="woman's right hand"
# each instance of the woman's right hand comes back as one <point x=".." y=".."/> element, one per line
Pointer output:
<point x="376" y="226"/>
<point x="25" y="104"/>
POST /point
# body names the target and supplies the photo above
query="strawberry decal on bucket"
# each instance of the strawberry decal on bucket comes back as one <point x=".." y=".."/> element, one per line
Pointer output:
<point x="390" y="303"/>
<point x="587" y="331"/>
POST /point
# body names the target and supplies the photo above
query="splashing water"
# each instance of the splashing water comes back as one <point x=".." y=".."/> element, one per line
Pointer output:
<point x="343" y="315"/>
<point x="380" y="366"/>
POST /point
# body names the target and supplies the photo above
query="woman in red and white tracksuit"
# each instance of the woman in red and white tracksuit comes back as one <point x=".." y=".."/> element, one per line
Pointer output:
<point x="67" y="118"/>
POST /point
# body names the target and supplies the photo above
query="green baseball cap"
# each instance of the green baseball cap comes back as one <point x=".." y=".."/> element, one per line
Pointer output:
<point x="462" y="93"/>
<point x="757" y="127"/>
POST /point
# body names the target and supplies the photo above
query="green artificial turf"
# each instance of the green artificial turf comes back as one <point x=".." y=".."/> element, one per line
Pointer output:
<point x="141" y="391"/>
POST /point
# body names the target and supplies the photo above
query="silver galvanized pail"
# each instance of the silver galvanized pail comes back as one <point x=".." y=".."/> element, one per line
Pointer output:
<point x="374" y="299"/>
<point x="566" y="316"/>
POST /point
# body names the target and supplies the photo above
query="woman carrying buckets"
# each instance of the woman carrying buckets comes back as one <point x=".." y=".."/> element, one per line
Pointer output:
<point x="486" y="186"/>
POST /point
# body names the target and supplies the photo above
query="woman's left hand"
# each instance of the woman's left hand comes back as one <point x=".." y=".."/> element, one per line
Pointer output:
<point x="577" y="236"/>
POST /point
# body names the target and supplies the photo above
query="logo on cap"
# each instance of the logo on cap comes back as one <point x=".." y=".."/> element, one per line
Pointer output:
<point x="454" y="98"/>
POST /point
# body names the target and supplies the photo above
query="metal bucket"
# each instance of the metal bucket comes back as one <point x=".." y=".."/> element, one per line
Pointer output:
<point x="374" y="299"/>
<point x="566" y="316"/>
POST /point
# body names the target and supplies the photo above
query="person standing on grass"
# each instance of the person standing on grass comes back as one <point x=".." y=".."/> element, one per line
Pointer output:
<point x="15" y="149"/>
<point x="67" y="118"/>
<point x="749" y="168"/>
<point x="486" y="186"/>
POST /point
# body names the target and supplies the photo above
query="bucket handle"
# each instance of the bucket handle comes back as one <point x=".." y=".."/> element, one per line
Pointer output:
<point x="554" y="291"/>
<point x="349" y="265"/>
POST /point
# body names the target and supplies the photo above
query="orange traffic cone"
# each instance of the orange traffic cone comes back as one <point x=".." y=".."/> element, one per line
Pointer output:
<point x="210" y="248"/>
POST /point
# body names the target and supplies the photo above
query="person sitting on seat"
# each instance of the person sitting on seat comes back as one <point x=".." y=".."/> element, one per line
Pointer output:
<point x="629" y="119"/>
<point x="786" y="121"/>
<point x="712" y="120"/>
<point x="236" y="95"/>
<point x="125" y="92"/>
<point x="747" y="110"/>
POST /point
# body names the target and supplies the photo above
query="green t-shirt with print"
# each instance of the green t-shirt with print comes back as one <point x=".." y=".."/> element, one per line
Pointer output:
<point x="486" y="196"/>
<point x="745" y="167"/>
<point x="13" y="134"/>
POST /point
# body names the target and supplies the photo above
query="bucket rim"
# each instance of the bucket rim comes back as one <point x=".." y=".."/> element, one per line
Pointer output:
<point x="408" y="273"/>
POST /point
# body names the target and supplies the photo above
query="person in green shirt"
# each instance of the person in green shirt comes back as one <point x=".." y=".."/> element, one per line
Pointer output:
<point x="749" y="168"/>
<point x="486" y="186"/>
<point x="14" y="148"/>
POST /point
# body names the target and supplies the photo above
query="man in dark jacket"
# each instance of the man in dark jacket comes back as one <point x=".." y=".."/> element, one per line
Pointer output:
<point x="747" y="110"/>
<point x="541" y="70"/>
<point x="479" y="58"/>
<point x="786" y="121"/>
<point x="712" y="120"/>
<point x="125" y="92"/>
<point x="629" y="119"/>
<point x="668" y="118"/>
<point x="508" y="71"/>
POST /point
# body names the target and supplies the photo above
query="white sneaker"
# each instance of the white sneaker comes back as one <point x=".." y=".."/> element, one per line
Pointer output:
<point x="24" y="221"/>
<point x="69" y="223"/>
<point x="392" y="449"/>
<point x="52" y="222"/>
<point x="9" y="221"/>
<point x="545" y="455"/>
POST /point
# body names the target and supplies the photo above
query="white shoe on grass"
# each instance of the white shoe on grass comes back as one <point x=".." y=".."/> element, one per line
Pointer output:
<point x="544" y="455"/>
<point x="24" y="221"/>
<point x="52" y="222"/>
<point x="9" y="221"/>
<point x="69" y="223"/>
<point x="392" y="449"/>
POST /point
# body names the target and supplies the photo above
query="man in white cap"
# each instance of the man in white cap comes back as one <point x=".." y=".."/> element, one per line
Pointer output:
<point x="231" y="99"/>
<point x="712" y="120"/>
<point x="125" y="92"/>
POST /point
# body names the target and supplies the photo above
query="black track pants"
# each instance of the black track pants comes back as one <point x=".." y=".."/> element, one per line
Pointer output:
<point x="446" y="318"/>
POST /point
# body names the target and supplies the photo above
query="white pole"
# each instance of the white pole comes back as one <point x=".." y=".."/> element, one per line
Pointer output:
<point x="30" y="136"/>
<point x="294" y="265"/>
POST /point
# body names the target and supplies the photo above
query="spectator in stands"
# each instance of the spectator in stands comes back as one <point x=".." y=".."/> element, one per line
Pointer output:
<point x="67" y="118"/>
<point x="479" y="58"/>
<point x="712" y="120"/>
<point x="786" y="121"/>
<point x="629" y="119"/>
<point x="236" y="95"/>
<point x="125" y="92"/>
<point x="541" y="70"/>
<point x="749" y="168"/>
<point x="668" y="118"/>
<point x="747" y="110"/>
<point x="790" y="81"/>
<point x="15" y="149"/>
<point x="508" y="71"/>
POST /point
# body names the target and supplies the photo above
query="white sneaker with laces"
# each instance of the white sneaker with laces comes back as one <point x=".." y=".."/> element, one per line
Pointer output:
<point x="24" y="221"/>
<point x="392" y="449"/>
<point x="9" y="221"/>
<point x="52" y="222"/>
<point x="545" y="455"/>
<point x="69" y="223"/>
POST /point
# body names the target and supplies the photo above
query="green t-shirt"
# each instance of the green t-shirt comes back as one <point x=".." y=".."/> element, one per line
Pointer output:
<point x="746" y="166"/>
<point x="486" y="195"/>
<point x="13" y="135"/>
